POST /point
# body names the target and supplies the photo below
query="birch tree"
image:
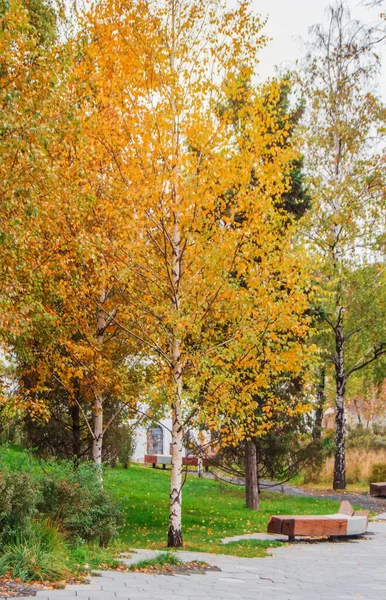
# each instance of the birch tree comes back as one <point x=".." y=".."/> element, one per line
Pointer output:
<point x="176" y="179"/>
<point x="345" y="158"/>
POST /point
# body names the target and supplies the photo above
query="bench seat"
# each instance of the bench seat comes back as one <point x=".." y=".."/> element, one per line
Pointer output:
<point x="166" y="459"/>
<point x="344" y="523"/>
<point x="378" y="489"/>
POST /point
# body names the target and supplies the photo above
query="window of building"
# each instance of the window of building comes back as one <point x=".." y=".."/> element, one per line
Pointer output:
<point x="155" y="440"/>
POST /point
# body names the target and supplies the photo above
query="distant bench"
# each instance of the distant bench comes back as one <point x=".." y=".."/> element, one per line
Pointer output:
<point x="378" y="489"/>
<point x="166" y="459"/>
<point x="346" y="522"/>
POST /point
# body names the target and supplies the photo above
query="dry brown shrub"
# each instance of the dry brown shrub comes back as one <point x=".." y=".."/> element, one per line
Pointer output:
<point x="358" y="465"/>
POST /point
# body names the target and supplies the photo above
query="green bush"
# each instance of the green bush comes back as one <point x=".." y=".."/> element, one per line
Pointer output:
<point x="19" y="494"/>
<point x="378" y="472"/>
<point x="68" y="495"/>
<point x="125" y="446"/>
<point x="355" y="474"/>
<point x="120" y="445"/>
<point x="366" y="438"/>
<point x="89" y="557"/>
<point x="160" y="561"/>
<point x="15" y="458"/>
<point x="36" y="552"/>
<point x="75" y="499"/>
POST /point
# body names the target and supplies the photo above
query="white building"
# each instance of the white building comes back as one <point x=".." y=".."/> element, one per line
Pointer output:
<point x="155" y="439"/>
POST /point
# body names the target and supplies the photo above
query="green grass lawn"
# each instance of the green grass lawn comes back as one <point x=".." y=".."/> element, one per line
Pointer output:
<point x="211" y="511"/>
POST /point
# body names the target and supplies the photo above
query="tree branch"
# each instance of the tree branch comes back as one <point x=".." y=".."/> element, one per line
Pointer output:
<point x="364" y="361"/>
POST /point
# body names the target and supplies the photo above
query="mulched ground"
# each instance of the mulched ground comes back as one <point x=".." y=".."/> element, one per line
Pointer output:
<point x="8" y="589"/>
<point x="188" y="568"/>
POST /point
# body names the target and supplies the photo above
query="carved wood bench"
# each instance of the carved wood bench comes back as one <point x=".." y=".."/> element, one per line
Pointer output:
<point x="378" y="489"/>
<point x="346" y="522"/>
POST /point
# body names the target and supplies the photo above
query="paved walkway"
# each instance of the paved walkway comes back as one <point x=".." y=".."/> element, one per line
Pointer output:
<point x="348" y="570"/>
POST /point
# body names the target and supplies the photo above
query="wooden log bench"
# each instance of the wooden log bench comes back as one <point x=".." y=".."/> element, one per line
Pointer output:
<point x="345" y="523"/>
<point x="378" y="489"/>
<point x="166" y="459"/>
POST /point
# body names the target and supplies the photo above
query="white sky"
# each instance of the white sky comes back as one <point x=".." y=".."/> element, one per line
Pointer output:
<point x="289" y="20"/>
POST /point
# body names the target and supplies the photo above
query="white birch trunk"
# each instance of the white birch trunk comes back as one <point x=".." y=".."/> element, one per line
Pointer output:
<point x="340" y="381"/>
<point x="98" y="436"/>
<point x="339" y="482"/>
<point x="200" y="472"/>
<point x="175" y="508"/>
<point x="175" y="514"/>
<point x="97" y="445"/>
<point x="320" y="405"/>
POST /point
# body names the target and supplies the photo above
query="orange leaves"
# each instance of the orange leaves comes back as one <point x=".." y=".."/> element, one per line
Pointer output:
<point x="165" y="185"/>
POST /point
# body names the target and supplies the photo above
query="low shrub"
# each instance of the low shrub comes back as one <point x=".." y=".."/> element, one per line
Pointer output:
<point x="74" y="508"/>
<point x="354" y="474"/>
<point x="35" y="552"/>
<point x="366" y="438"/>
<point x="15" y="458"/>
<point x="119" y="445"/>
<point x="75" y="499"/>
<point x="358" y="466"/>
<point x="19" y="494"/>
<point x="125" y="446"/>
<point x="378" y="472"/>
<point x="85" y="559"/>
<point x="161" y="560"/>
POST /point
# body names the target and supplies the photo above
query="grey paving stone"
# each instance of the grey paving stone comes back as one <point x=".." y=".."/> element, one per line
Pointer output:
<point x="59" y="594"/>
<point x="114" y="586"/>
<point x="380" y="517"/>
<point x="256" y="536"/>
<point x="19" y="597"/>
<point x="349" y="570"/>
<point x="94" y="594"/>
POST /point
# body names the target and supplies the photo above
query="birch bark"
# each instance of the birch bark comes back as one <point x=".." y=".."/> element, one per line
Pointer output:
<point x="175" y="507"/>
<point x="320" y="405"/>
<point x="175" y="514"/>
<point x="340" y="380"/>
<point x="98" y="400"/>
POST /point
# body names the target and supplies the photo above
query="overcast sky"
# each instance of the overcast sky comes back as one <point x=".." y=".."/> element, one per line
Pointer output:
<point x="289" y="20"/>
